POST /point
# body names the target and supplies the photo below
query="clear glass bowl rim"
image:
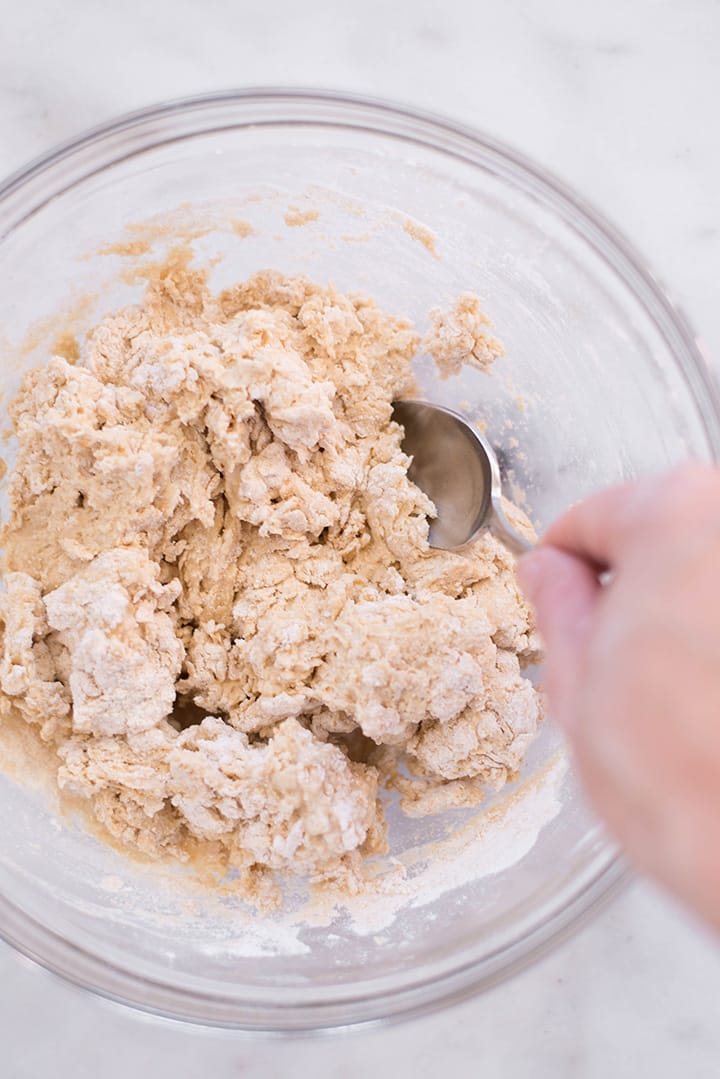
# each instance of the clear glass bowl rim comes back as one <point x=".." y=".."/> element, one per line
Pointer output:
<point x="25" y="193"/>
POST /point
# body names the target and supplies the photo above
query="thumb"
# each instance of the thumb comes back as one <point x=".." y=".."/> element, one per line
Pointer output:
<point x="564" y="591"/>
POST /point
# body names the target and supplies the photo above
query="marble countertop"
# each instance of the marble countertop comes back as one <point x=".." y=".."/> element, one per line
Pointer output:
<point x="616" y="99"/>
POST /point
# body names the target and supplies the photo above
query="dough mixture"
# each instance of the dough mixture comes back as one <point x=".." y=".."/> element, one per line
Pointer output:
<point x="220" y="608"/>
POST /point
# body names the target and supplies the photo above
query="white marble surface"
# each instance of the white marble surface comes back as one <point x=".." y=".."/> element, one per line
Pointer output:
<point x="618" y="99"/>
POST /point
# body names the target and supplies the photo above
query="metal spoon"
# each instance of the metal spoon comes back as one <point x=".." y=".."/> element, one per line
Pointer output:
<point x="458" y="470"/>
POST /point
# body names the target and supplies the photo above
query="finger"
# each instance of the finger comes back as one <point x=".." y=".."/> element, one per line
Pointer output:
<point x="595" y="529"/>
<point x="604" y="527"/>
<point x="564" y="591"/>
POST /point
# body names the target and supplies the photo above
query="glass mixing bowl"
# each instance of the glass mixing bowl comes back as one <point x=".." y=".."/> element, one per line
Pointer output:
<point x="603" y="380"/>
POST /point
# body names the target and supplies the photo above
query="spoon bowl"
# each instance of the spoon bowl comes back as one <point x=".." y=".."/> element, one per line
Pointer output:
<point x="456" y="467"/>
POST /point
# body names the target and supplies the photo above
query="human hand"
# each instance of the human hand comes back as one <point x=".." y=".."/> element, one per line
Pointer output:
<point x="633" y="667"/>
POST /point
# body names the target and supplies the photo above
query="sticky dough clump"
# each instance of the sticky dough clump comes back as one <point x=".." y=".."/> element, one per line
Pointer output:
<point x="211" y="518"/>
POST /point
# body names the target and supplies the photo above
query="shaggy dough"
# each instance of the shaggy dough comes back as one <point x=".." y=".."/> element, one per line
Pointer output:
<point x="461" y="337"/>
<point x="211" y="518"/>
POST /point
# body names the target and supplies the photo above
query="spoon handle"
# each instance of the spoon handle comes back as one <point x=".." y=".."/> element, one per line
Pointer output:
<point x="504" y="531"/>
